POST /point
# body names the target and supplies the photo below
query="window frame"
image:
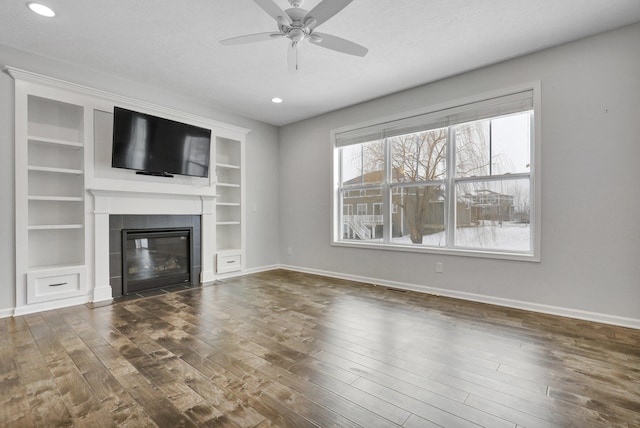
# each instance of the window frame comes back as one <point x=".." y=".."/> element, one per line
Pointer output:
<point x="533" y="175"/>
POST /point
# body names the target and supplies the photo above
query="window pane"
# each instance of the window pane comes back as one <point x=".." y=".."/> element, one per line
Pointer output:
<point x="493" y="215"/>
<point x="420" y="156"/>
<point x="362" y="163"/>
<point x="419" y="219"/>
<point x="494" y="146"/>
<point x="366" y="223"/>
<point x="511" y="141"/>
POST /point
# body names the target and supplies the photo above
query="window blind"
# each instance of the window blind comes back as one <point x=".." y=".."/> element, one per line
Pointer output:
<point x="498" y="106"/>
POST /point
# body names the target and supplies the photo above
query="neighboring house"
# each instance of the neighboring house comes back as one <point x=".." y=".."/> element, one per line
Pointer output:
<point x="362" y="210"/>
<point x="488" y="205"/>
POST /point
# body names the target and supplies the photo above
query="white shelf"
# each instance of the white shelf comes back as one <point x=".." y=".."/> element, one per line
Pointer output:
<point x="51" y="267"/>
<point x="45" y="140"/>
<point x="227" y="223"/>
<point x="56" y="198"/>
<point x="55" y="170"/>
<point x="228" y="185"/>
<point x="56" y="226"/>
<point x="227" y="166"/>
<point x="228" y="204"/>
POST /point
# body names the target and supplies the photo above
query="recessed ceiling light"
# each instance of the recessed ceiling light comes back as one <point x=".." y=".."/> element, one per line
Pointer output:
<point x="276" y="100"/>
<point x="41" y="9"/>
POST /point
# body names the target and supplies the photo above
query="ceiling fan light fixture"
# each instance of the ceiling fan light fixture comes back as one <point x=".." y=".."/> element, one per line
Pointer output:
<point x="296" y="35"/>
<point x="277" y="100"/>
<point x="41" y="9"/>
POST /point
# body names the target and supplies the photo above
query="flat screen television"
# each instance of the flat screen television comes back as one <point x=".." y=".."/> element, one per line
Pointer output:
<point x="153" y="145"/>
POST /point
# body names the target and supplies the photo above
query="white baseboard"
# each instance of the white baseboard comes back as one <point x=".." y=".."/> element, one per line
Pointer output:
<point x="498" y="301"/>
<point x="261" y="269"/>
<point x="6" y="313"/>
<point x="46" y="306"/>
<point x="246" y="272"/>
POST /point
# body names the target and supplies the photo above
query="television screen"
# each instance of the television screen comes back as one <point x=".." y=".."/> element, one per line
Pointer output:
<point x="156" y="146"/>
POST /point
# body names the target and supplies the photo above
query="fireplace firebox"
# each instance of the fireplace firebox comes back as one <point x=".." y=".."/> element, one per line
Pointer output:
<point x="155" y="258"/>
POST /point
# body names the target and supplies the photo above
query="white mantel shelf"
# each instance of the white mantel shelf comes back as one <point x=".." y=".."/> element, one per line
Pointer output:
<point x="187" y="194"/>
<point x="156" y="202"/>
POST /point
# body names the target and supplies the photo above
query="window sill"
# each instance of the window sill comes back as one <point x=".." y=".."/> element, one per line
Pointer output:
<point x="501" y="255"/>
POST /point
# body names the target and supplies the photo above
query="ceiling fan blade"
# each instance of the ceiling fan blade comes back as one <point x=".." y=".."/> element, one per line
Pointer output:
<point x="293" y="57"/>
<point x="250" y="38"/>
<point x="339" y="44"/>
<point x="324" y="11"/>
<point x="273" y="10"/>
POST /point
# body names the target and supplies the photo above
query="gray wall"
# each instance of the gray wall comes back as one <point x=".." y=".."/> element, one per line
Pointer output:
<point x="261" y="158"/>
<point x="590" y="175"/>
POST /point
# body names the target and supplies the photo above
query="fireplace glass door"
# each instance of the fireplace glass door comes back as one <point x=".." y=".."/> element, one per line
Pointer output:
<point x="155" y="258"/>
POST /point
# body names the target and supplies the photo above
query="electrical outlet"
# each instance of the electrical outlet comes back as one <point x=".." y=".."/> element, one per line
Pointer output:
<point x="289" y="251"/>
<point x="439" y="267"/>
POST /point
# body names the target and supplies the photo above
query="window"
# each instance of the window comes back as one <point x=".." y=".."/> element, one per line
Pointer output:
<point x="458" y="179"/>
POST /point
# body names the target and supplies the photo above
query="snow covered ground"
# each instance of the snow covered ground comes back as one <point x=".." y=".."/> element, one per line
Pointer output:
<point x="488" y="235"/>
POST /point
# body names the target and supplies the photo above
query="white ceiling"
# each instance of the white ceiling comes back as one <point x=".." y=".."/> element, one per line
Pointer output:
<point x="174" y="44"/>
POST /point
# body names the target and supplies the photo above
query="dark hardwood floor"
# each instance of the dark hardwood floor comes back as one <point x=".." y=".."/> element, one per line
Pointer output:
<point x="295" y="350"/>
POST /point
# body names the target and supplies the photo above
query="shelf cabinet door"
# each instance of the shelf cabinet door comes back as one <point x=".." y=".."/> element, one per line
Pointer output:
<point x="54" y="284"/>
<point x="228" y="261"/>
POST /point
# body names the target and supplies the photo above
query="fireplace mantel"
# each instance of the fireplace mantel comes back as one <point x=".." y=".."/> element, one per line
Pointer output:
<point x="108" y="201"/>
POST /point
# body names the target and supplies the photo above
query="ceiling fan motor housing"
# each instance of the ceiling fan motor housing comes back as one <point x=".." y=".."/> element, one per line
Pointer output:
<point x="296" y="34"/>
<point x="299" y="29"/>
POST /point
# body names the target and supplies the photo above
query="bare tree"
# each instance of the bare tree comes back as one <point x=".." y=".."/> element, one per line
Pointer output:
<point x="421" y="158"/>
<point x="415" y="158"/>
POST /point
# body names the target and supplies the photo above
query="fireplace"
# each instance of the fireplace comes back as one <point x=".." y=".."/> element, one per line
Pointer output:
<point x="155" y="258"/>
<point x="153" y="252"/>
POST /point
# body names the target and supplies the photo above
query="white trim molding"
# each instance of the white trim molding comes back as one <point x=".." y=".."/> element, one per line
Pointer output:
<point x="6" y="313"/>
<point x="30" y="76"/>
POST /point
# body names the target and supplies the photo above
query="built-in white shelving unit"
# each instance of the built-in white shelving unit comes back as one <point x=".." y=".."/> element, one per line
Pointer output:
<point x="66" y="191"/>
<point x="229" y="162"/>
<point x="50" y="196"/>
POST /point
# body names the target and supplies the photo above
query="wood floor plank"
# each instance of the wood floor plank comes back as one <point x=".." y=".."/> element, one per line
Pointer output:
<point x="45" y="401"/>
<point x="14" y="405"/>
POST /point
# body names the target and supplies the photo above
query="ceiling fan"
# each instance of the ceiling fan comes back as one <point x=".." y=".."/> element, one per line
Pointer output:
<point x="297" y="25"/>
